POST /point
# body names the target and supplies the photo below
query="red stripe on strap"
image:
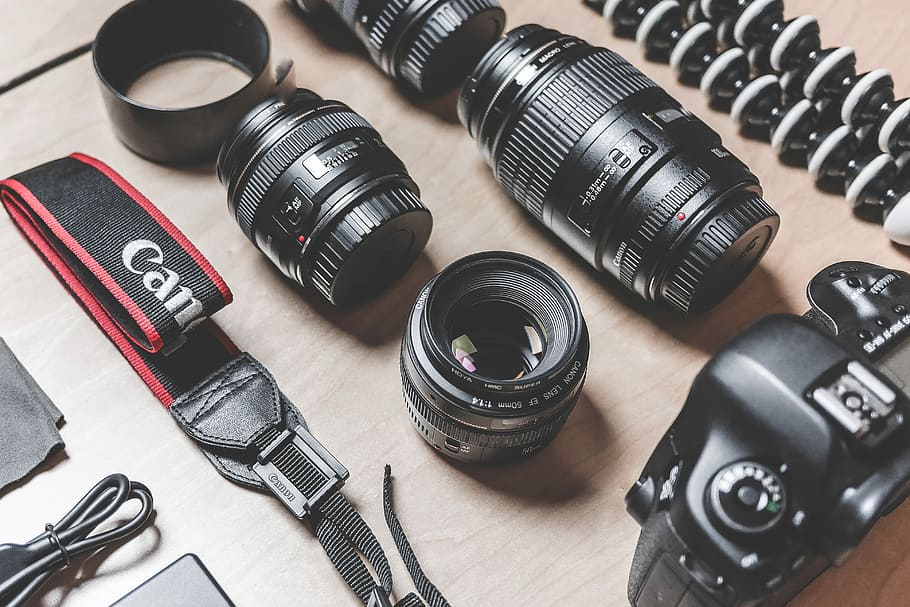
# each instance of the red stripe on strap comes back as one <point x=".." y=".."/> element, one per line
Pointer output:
<point x="162" y="220"/>
<point x="72" y="282"/>
<point x="142" y="321"/>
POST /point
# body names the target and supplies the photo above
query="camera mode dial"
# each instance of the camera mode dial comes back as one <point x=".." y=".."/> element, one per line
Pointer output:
<point x="748" y="497"/>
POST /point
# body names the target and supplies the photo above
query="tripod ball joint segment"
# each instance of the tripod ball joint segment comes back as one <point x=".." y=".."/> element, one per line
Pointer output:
<point x="780" y="85"/>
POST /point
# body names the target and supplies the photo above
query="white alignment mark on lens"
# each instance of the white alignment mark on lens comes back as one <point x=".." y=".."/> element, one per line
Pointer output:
<point x="526" y="75"/>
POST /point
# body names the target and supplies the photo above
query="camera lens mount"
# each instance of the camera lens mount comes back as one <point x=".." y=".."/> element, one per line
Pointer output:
<point x="494" y="357"/>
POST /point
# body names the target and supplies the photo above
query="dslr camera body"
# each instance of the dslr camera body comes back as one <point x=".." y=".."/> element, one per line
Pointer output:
<point x="793" y="442"/>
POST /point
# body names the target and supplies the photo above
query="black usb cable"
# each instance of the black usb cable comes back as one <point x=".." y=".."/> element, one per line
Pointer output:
<point x="25" y="567"/>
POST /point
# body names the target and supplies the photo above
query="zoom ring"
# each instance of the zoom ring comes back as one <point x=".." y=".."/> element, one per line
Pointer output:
<point x="434" y="32"/>
<point x="282" y="155"/>
<point x="557" y="119"/>
<point x="714" y="240"/>
<point x="476" y="437"/>
<point x="357" y="223"/>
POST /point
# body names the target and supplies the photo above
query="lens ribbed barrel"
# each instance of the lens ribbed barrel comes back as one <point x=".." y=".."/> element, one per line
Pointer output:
<point x="714" y="254"/>
<point x="290" y="147"/>
<point x="450" y="42"/>
<point x="341" y="258"/>
<point x="541" y="139"/>
<point x="312" y="184"/>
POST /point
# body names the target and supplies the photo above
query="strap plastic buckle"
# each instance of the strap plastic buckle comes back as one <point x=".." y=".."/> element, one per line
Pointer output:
<point x="299" y="470"/>
<point x="379" y="598"/>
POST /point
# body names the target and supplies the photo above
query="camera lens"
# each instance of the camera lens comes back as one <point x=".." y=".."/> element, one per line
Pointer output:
<point x="314" y="187"/>
<point x="616" y="168"/>
<point x="494" y="357"/>
<point x="430" y="44"/>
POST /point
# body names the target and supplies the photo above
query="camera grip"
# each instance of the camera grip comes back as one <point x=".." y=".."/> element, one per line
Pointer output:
<point x="663" y="572"/>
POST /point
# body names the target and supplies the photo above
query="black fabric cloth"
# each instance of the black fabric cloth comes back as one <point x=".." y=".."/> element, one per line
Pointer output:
<point x="28" y="420"/>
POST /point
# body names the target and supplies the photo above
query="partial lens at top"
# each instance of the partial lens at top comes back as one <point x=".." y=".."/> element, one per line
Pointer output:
<point x="432" y="45"/>
<point x="618" y="169"/>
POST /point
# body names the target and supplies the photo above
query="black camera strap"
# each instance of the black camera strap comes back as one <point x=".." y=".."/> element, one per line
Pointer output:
<point x="153" y="293"/>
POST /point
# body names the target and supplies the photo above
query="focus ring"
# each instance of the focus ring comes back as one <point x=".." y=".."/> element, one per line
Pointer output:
<point x="436" y="30"/>
<point x="556" y="120"/>
<point x="657" y="220"/>
<point x="283" y="154"/>
<point x="353" y="228"/>
<point x="380" y="31"/>
<point x="476" y="437"/>
<point x="715" y="239"/>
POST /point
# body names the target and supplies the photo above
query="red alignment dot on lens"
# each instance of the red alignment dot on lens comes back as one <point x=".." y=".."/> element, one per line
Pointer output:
<point x="681" y="216"/>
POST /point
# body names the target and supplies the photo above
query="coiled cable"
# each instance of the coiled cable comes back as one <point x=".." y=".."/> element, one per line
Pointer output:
<point x="25" y="567"/>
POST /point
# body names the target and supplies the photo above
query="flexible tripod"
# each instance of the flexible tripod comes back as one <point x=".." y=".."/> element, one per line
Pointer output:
<point x="778" y="84"/>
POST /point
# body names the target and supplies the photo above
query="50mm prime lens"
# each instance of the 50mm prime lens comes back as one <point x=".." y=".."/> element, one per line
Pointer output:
<point x="494" y="357"/>
<point x="614" y="166"/>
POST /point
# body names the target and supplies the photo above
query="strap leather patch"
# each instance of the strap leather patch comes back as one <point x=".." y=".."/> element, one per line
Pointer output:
<point x="231" y="412"/>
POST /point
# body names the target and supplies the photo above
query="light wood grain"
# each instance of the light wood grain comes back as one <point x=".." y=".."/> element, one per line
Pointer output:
<point x="549" y="531"/>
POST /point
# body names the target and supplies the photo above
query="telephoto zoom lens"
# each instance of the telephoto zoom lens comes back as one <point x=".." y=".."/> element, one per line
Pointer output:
<point x="493" y="358"/>
<point x="619" y="170"/>
<point x="314" y="187"/>
<point x="431" y="45"/>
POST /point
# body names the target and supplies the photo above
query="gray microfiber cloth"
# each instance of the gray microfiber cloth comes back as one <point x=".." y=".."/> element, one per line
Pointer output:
<point x="28" y="420"/>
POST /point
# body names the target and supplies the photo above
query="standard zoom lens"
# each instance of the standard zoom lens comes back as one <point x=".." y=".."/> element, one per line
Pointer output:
<point x="622" y="173"/>
<point x="431" y="44"/>
<point x="493" y="358"/>
<point x="312" y="184"/>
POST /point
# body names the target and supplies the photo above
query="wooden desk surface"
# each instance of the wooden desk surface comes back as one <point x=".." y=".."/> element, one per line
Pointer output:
<point x="549" y="531"/>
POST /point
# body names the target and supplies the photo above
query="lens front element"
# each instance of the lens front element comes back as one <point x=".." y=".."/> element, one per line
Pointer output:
<point x="496" y="340"/>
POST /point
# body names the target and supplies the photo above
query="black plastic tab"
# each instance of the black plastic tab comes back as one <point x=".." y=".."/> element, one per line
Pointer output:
<point x="379" y="598"/>
<point x="299" y="470"/>
<point x="233" y="414"/>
